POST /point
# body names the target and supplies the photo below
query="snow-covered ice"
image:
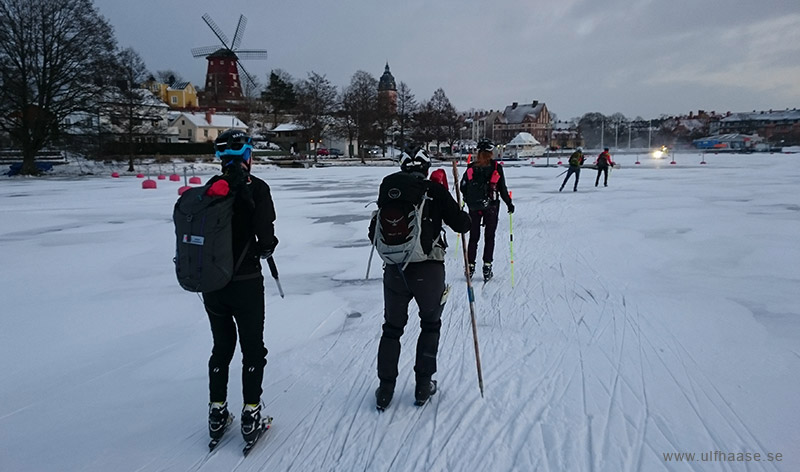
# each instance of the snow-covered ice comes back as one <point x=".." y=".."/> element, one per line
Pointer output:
<point x="658" y="315"/>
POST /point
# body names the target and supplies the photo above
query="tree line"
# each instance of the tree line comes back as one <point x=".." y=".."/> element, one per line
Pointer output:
<point x="60" y="57"/>
<point x="358" y="112"/>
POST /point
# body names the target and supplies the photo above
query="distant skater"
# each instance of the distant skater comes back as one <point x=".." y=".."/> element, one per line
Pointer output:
<point x="483" y="186"/>
<point x="575" y="163"/>
<point x="603" y="162"/>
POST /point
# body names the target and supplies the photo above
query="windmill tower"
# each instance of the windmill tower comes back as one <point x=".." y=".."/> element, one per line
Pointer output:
<point x="225" y="72"/>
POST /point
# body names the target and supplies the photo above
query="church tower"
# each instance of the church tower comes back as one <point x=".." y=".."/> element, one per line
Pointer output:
<point x="387" y="90"/>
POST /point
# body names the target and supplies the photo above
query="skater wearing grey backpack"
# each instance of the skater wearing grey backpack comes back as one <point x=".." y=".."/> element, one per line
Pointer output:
<point x="406" y="231"/>
<point x="223" y="230"/>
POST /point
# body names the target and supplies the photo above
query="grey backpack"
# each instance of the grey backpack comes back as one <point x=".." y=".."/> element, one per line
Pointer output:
<point x="204" y="240"/>
<point x="398" y="220"/>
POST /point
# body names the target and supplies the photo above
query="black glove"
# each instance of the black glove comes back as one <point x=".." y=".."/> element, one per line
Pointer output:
<point x="510" y="208"/>
<point x="266" y="253"/>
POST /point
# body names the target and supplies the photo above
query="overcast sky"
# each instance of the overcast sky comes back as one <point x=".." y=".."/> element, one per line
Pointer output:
<point x="641" y="58"/>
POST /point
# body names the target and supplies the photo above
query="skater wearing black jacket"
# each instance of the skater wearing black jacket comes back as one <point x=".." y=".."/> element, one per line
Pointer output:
<point x="423" y="280"/>
<point x="239" y="306"/>
<point x="603" y="162"/>
<point x="483" y="186"/>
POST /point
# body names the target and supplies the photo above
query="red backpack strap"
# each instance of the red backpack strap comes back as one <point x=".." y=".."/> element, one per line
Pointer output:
<point x="495" y="175"/>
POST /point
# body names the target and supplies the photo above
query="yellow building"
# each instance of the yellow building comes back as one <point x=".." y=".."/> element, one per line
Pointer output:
<point x="203" y="127"/>
<point x="179" y="95"/>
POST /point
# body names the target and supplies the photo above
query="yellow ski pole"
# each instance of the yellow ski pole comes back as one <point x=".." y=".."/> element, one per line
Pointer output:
<point x="511" y="242"/>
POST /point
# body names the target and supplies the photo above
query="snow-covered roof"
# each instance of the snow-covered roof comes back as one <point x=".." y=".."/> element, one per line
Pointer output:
<point x="288" y="127"/>
<point x="730" y="137"/>
<point x="516" y="114"/>
<point x="563" y="125"/>
<point x="691" y="123"/>
<point x="179" y="85"/>
<point x="217" y="120"/>
<point x="523" y="139"/>
<point x="777" y="115"/>
<point x="144" y="97"/>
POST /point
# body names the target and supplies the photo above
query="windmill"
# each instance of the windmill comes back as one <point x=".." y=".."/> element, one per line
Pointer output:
<point x="225" y="70"/>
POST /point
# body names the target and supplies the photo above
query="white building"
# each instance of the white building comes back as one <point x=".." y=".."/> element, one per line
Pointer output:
<point x="111" y="118"/>
<point x="203" y="127"/>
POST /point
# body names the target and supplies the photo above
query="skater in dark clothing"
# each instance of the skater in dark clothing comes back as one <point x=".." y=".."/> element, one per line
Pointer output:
<point x="421" y="277"/>
<point x="603" y="162"/>
<point x="239" y="306"/>
<point x="483" y="185"/>
<point x="575" y="162"/>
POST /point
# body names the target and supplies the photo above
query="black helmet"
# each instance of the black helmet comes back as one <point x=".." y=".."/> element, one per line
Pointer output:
<point x="233" y="144"/>
<point x="415" y="159"/>
<point x="605" y="149"/>
<point x="485" y="145"/>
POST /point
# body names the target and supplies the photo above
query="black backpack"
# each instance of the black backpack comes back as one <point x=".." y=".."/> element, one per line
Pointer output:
<point x="477" y="188"/>
<point x="204" y="240"/>
<point x="398" y="220"/>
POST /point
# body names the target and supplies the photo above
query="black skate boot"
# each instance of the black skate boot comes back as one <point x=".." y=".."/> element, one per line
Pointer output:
<point x="218" y="421"/>
<point x="253" y="425"/>
<point x="425" y="388"/>
<point x="383" y="395"/>
<point x="471" y="269"/>
<point x="251" y="422"/>
<point x="487" y="271"/>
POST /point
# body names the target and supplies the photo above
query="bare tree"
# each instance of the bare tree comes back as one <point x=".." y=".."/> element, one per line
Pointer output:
<point x="51" y="52"/>
<point x="359" y="105"/>
<point x="168" y="77"/>
<point x="406" y="107"/>
<point x="129" y="107"/>
<point x="444" y="118"/>
<point x="385" y="115"/>
<point x="252" y="91"/>
<point x="280" y="94"/>
<point x="316" y="103"/>
<point x="344" y="125"/>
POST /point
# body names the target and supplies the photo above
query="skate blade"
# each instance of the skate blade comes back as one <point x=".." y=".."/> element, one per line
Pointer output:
<point x="266" y="423"/>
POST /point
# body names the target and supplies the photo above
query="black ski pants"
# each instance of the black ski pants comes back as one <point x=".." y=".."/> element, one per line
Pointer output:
<point x="488" y="217"/>
<point x="424" y="282"/>
<point x="604" y="170"/>
<point x="572" y="170"/>
<point x="239" y="306"/>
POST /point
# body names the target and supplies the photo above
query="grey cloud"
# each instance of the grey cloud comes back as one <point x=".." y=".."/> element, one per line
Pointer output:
<point x="639" y="58"/>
